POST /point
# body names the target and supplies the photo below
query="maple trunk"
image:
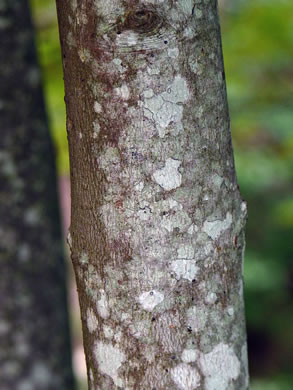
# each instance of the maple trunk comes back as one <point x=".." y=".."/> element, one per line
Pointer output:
<point x="157" y="223"/>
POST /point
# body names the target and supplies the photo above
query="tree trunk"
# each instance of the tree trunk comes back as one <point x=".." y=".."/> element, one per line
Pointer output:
<point x="157" y="223"/>
<point x="34" y="333"/>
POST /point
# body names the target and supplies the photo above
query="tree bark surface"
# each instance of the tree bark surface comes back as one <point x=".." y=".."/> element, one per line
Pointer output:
<point x="34" y="332"/>
<point x="157" y="229"/>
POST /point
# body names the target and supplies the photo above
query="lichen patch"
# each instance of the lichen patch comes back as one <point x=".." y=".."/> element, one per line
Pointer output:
<point x="97" y="108"/>
<point x="215" y="228"/>
<point x="102" y="305"/>
<point x="123" y="92"/>
<point x="211" y="298"/>
<point x="178" y="91"/>
<point x="186" y="269"/>
<point x="169" y="177"/>
<point x="109" y="360"/>
<point x="220" y="367"/>
<point x="91" y="320"/>
<point x="173" y="52"/>
<point x="108" y="331"/>
<point x="185" y="377"/>
<point x="166" y="108"/>
<point x="150" y="299"/>
<point x="189" y="355"/>
<point x="84" y="259"/>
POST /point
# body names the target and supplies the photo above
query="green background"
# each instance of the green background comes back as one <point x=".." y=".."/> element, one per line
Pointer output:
<point x="258" y="53"/>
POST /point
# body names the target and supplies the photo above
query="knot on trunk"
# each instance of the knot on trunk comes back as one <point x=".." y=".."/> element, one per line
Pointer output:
<point x="142" y="20"/>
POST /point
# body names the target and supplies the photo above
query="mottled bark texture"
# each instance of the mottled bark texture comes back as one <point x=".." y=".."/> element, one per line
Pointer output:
<point x="34" y="332"/>
<point x="157" y="219"/>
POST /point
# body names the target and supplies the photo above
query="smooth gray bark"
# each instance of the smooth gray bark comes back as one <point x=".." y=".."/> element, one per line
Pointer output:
<point x="157" y="224"/>
<point x="34" y="332"/>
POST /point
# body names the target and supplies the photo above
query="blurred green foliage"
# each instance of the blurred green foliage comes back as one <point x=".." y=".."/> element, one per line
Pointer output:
<point x="45" y="19"/>
<point x="258" y="52"/>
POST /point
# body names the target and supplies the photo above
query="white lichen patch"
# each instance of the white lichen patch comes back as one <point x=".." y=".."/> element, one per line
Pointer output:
<point x="189" y="355"/>
<point x="219" y="367"/>
<point x="91" y="320"/>
<point x="162" y="112"/>
<point x="139" y="186"/>
<point x="178" y="91"/>
<point x="144" y="214"/>
<point x="108" y="331"/>
<point x="84" y="259"/>
<point x="118" y="64"/>
<point x="109" y="360"/>
<point x="173" y="52"/>
<point x="125" y="317"/>
<point x="211" y="298"/>
<point x="167" y="107"/>
<point x="102" y="305"/>
<point x="230" y="311"/>
<point x="185" y="377"/>
<point x="153" y="70"/>
<point x="168" y="177"/>
<point x="188" y="32"/>
<point x="148" y="93"/>
<point x="192" y="229"/>
<point x="97" y="129"/>
<point x="123" y="92"/>
<point x="173" y="204"/>
<point x="243" y="206"/>
<point x="217" y="180"/>
<point x="150" y="299"/>
<point x="97" y="108"/>
<point x="215" y="228"/>
<point x="186" y="269"/>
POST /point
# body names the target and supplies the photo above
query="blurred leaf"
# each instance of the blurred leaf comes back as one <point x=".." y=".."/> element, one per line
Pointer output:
<point x="259" y="170"/>
<point x="262" y="273"/>
<point x="49" y="52"/>
<point x="283" y="212"/>
<point x="273" y="384"/>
